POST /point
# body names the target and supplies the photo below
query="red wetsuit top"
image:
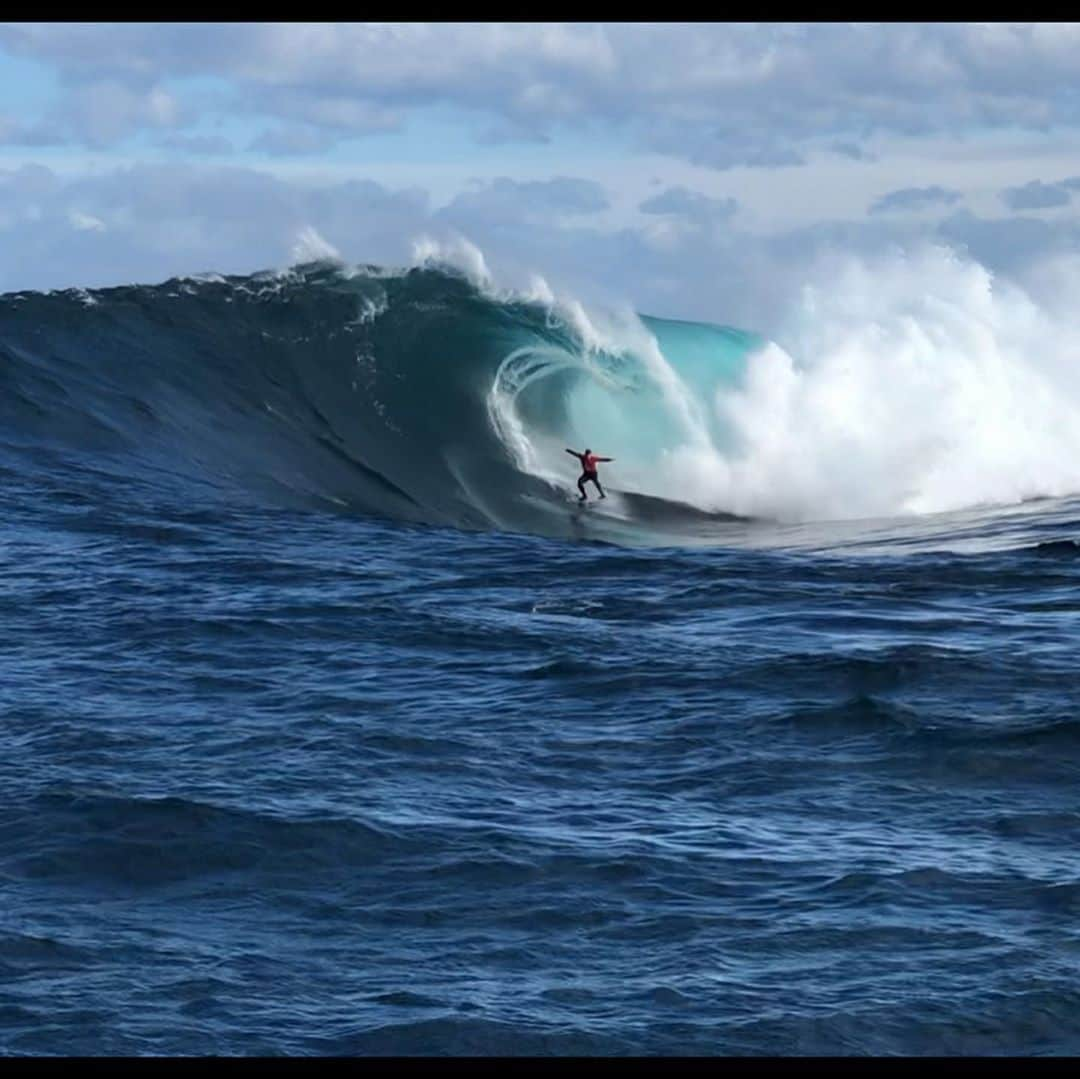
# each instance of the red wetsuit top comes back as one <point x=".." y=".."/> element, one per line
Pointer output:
<point x="588" y="461"/>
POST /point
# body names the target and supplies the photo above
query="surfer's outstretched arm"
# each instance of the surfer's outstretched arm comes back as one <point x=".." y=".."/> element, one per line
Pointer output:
<point x="574" y="453"/>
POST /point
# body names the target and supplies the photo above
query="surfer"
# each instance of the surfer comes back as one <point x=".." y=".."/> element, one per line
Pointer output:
<point x="589" y="461"/>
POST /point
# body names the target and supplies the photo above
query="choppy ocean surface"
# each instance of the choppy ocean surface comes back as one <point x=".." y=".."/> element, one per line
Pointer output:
<point x="332" y="726"/>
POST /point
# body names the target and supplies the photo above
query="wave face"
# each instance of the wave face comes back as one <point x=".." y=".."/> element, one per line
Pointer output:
<point x="415" y="396"/>
<point x="424" y="396"/>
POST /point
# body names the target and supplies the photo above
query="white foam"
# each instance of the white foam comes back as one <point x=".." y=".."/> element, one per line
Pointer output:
<point x="458" y="252"/>
<point x="907" y="384"/>
<point x="310" y="246"/>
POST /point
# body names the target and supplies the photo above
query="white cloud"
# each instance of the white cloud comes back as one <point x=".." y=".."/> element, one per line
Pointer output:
<point x="164" y="220"/>
<point x="720" y="94"/>
<point x="915" y="198"/>
<point x="693" y="205"/>
<point x="852" y="150"/>
<point x="286" y="141"/>
<point x="506" y="200"/>
<point x="85" y="222"/>
<point x="341" y="114"/>
<point x="101" y="113"/>
<point x="1036" y="195"/>
<point x="198" y="144"/>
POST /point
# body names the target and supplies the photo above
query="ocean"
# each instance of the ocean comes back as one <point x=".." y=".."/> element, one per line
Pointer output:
<point x="334" y="725"/>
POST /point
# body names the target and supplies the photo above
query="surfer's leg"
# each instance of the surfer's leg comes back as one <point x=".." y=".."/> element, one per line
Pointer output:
<point x="581" y="488"/>
<point x="598" y="487"/>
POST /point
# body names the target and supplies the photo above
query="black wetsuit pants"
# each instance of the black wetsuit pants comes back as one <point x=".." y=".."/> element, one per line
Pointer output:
<point x="589" y="476"/>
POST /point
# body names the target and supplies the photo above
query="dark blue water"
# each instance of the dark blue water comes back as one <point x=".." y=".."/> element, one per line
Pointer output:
<point x="285" y="779"/>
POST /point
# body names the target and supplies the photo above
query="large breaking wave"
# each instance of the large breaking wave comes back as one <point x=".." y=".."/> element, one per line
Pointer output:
<point x="415" y="395"/>
<point x="424" y="395"/>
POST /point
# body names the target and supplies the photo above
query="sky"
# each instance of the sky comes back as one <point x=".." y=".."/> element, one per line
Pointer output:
<point x="689" y="170"/>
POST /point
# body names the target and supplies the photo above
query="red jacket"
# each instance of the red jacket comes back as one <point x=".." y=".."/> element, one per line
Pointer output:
<point x="588" y="461"/>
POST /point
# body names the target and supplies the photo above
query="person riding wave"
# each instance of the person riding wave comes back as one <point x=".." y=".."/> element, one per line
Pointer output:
<point x="589" y="461"/>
